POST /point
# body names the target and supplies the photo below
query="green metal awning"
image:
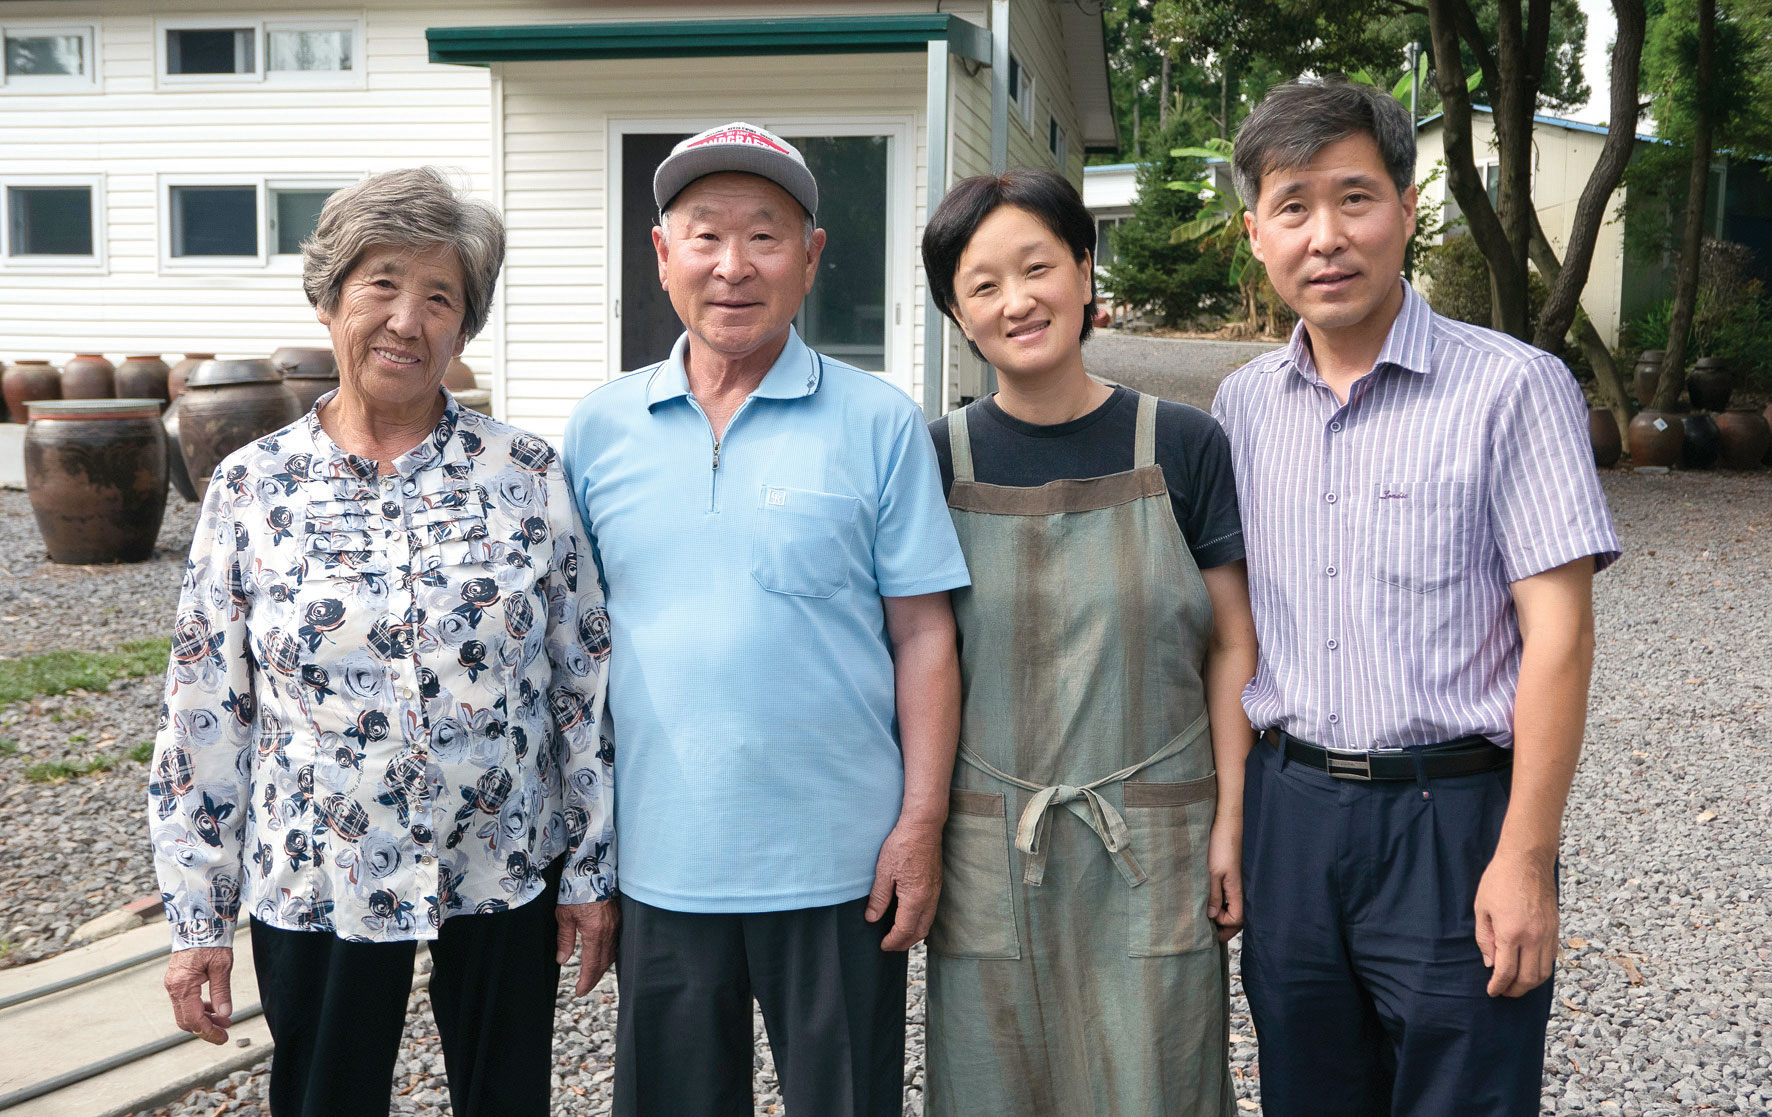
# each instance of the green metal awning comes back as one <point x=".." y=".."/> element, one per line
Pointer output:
<point x="704" y="38"/>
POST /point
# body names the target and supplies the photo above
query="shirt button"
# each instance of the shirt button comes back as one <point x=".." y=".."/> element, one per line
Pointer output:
<point x="1330" y="572"/>
<point x="406" y="693"/>
<point x="1334" y="719"/>
<point x="1330" y="497"/>
<point x="1335" y="428"/>
<point x="1333" y="645"/>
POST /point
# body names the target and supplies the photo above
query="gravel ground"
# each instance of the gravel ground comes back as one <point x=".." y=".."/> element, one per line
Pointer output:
<point x="45" y="605"/>
<point x="1664" y="998"/>
<point x="1182" y="369"/>
<point x="74" y="850"/>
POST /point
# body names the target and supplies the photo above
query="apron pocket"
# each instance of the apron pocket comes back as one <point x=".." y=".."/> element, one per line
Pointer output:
<point x="1169" y="825"/>
<point x="976" y="915"/>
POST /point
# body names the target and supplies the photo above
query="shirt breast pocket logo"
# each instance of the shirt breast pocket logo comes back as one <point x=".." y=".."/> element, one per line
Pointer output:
<point x="802" y="541"/>
<point x="1420" y="534"/>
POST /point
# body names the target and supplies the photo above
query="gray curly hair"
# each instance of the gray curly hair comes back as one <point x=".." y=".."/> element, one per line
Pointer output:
<point x="414" y="207"/>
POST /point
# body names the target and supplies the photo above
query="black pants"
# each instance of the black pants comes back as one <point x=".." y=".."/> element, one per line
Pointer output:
<point x="337" y="1009"/>
<point x="1359" y="948"/>
<point x="832" y="1001"/>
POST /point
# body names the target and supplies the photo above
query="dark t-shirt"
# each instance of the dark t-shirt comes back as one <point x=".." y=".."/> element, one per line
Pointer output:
<point x="1193" y="451"/>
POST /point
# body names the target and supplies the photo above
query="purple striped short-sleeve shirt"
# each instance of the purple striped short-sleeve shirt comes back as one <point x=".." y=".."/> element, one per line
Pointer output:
<point x="1382" y="534"/>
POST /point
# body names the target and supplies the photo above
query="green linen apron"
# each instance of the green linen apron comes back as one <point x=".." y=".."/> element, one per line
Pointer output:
<point x="1073" y="970"/>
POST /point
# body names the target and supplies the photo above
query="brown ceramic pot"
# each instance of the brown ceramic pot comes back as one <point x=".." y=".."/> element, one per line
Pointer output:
<point x="144" y="377"/>
<point x="175" y="455"/>
<point x="227" y="404"/>
<point x="1602" y="431"/>
<point x="1655" y="439"/>
<point x="1710" y="384"/>
<point x="89" y="376"/>
<point x="1645" y="375"/>
<point x="474" y="399"/>
<point x="25" y="381"/>
<point x="460" y="377"/>
<point x="95" y="471"/>
<point x="307" y="373"/>
<point x="1746" y="436"/>
<point x="181" y="372"/>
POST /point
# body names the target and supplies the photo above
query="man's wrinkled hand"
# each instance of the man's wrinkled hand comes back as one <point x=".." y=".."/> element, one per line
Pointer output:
<point x="592" y="925"/>
<point x="207" y="1018"/>
<point x="909" y="871"/>
<point x="1517" y="923"/>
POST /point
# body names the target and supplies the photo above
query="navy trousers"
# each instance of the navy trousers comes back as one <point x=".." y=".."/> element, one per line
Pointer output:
<point x="1359" y="950"/>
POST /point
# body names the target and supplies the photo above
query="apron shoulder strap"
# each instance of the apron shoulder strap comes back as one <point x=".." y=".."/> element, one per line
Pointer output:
<point x="960" y="445"/>
<point x="1144" y="444"/>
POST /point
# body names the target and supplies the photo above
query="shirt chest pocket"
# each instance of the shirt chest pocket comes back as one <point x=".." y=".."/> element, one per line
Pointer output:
<point x="1421" y="533"/>
<point x="803" y="541"/>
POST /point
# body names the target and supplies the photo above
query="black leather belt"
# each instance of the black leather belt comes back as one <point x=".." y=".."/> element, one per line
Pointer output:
<point x="1467" y="756"/>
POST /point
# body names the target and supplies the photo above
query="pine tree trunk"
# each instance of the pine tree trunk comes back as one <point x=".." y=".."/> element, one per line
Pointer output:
<point x="1673" y="365"/>
<point x="1163" y="99"/>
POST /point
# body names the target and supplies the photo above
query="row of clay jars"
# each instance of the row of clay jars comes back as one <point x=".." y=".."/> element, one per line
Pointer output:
<point x="86" y="376"/>
<point x="1738" y="439"/>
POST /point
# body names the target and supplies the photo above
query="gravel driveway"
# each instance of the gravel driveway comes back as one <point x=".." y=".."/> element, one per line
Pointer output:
<point x="1664" y="998"/>
<point x="1172" y="368"/>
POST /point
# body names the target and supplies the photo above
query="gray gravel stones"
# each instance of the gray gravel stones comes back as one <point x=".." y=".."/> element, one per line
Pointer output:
<point x="45" y="605"/>
<point x="1664" y="994"/>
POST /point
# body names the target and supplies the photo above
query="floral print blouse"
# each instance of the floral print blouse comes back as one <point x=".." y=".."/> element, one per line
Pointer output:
<point x="385" y="701"/>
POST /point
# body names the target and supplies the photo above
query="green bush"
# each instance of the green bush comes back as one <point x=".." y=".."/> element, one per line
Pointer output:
<point x="1456" y="278"/>
<point x="1177" y="282"/>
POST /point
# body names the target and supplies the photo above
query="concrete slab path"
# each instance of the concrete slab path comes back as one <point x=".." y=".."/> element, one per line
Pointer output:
<point x="64" y="1031"/>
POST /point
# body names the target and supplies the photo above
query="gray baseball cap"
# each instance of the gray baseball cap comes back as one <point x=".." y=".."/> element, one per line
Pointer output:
<point x="740" y="147"/>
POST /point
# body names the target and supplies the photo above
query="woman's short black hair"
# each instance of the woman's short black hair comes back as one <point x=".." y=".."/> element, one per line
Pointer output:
<point x="1049" y="196"/>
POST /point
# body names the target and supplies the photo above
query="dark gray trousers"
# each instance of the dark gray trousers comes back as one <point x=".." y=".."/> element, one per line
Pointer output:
<point x="833" y="1003"/>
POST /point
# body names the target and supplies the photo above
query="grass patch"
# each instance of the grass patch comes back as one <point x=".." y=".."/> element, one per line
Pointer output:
<point x="8" y="746"/>
<point x="62" y="671"/>
<point x="142" y="753"/>
<point x="55" y="771"/>
<point x="77" y="739"/>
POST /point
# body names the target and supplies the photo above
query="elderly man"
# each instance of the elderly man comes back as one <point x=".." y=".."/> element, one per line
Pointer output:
<point x="770" y="529"/>
<point x="1423" y="524"/>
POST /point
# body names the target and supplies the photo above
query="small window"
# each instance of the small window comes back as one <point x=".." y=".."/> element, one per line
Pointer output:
<point x="295" y="211"/>
<point x="211" y="50"/>
<point x="309" y="52"/>
<point x="214" y="220"/>
<point x="49" y="220"/>
<point x="38" y="58"/>
<point x="1056" y="142"/>
<point x="1021" y="92"/>
<point x="299" y="50"/>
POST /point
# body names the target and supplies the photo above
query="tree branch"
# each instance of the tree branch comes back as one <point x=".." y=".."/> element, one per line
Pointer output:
<point x="1590" y="210"/>
<point x="1673" y="365"/>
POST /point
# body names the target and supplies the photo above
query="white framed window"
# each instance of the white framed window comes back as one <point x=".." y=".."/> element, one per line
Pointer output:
<point x="219" y="50"/>
<point x="1021" y="92"/>
<point x="237" y="223"/>
<point x="1057" y="142"/>
<point x="48" y="58"/>
<point x="52" y="222"/>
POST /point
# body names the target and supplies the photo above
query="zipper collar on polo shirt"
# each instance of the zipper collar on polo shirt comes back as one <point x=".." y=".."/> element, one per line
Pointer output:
<point x="794" y="374"/>
<point x="1409" y="345"/>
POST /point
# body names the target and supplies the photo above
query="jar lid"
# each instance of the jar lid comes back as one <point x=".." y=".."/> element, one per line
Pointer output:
<point x="213" y="374"/>
<point x="299" y="363"/>
<point x="94" y="409"/>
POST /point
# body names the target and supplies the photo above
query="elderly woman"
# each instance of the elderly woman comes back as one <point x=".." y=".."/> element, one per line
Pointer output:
<point x="382" y="713"/>
<point x="1093" y="836"/>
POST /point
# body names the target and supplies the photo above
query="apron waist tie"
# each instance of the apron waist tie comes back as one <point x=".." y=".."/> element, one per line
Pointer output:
<point x="1097" y="813"/>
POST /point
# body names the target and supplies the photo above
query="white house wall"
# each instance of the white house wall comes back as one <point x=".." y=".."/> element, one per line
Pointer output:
<point x="131" y="132"/>
<point x="1563" y="158"/>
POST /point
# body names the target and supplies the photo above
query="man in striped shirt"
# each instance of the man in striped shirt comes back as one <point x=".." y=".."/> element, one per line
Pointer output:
<point x="1423" y="523"/>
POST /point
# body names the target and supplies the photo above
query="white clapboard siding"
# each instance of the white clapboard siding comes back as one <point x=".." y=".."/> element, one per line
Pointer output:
<point x="131" y="131"/>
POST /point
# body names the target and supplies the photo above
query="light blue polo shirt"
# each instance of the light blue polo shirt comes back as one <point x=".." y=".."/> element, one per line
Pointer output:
<point x="757" y="764"/>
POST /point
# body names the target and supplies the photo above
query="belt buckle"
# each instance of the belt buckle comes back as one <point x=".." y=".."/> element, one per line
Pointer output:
<point x="1349" y="765"/>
